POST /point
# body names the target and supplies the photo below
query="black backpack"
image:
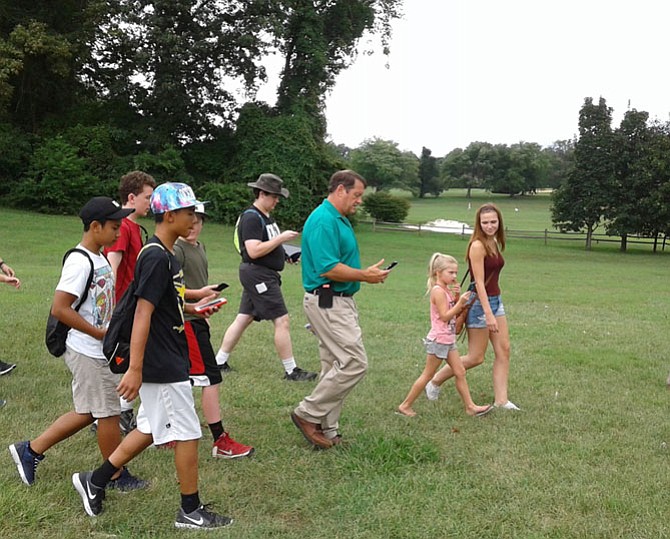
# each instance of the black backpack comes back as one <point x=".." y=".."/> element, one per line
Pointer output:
<point x="116" y="344"/>
<point x="56" y="332"/>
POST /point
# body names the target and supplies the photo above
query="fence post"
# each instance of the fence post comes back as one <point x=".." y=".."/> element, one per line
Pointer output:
<point x="546" y="234"/>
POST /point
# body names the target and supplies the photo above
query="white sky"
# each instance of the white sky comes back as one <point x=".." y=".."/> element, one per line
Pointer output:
<point x="503" y="72"/>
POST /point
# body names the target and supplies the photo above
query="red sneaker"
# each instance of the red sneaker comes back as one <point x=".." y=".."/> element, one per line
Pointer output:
<point x="227" y="448"/>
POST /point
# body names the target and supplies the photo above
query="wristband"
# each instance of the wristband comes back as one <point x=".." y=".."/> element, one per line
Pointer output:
<point x="2" y="263"/>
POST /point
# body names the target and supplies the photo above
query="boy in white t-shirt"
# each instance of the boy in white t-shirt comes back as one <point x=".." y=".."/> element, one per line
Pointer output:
<point x="93" y="384"/>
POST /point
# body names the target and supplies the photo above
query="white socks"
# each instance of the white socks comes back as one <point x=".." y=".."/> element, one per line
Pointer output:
<point x="289" y="364"/>
<point x="222" y="357"/>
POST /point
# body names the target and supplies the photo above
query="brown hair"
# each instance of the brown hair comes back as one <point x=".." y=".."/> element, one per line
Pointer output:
<point x="133" y="184"/>
<point x="479" y="234"/>
<point x="347" y="178"/>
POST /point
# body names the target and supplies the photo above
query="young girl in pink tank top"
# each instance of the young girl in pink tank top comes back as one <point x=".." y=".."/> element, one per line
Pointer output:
<point x="445" y="303"/>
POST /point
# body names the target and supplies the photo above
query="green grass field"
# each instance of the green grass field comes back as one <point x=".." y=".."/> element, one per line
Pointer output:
<point x="586" y="456"/>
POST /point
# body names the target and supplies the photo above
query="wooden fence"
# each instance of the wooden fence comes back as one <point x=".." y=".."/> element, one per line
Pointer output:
<point x="544" y="235"/>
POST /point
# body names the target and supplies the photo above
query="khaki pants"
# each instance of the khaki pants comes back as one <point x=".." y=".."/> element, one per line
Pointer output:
<point x="343" y="360"/>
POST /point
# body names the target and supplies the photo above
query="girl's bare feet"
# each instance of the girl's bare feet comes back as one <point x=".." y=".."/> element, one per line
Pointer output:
<point x="406" y="411"/>
<point x="479" y="411"/>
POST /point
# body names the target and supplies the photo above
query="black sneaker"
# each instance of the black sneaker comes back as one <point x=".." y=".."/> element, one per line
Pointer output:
<point x="91" y="495"/>
<point x="201" y="518"/>
<point x="127" y="421"/>
<point x="127" y="482"/>
<point x="298" y="375"/>
<point x="6" y="367"/>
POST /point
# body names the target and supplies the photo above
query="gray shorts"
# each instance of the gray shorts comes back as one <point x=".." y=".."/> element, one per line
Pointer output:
<point x="262" y="297"/>
<point x="438" y="349"/>
<point x="93" y="385"/>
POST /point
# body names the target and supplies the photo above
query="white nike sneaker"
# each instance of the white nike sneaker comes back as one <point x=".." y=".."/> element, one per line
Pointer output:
<point x="432" y="391"/>
<point x="200" y="519"/>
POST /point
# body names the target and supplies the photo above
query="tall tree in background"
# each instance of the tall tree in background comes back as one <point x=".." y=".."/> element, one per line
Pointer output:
<point x="559" y="156"/>
<point x="429" y="177"/>
<point x="641" y="174"/>
<point x="41" y="47"/>
<point x="173" y="62"/>
<point x="318" y="39"/>
<point x="385" y="166"/>
<point x="581" y="202"/>
<point x="469" y="168"/>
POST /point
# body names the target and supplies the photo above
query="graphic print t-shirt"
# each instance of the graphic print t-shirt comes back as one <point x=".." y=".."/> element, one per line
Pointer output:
<point x="160" y="281"/>
<point x="256" y="226"/>
<point x="99" y="298"/>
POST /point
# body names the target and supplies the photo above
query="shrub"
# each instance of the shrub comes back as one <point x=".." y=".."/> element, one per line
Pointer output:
<point x="384" y="206"/>
<point x="58" y="180"/>
<point x="226" y="201"/>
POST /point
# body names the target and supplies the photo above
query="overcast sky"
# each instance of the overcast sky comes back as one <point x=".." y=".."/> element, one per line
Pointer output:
<point x="503" y="72"/>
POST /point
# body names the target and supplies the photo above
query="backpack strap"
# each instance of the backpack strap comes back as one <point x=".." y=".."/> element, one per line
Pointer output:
<point x="148" y="246"/>
<point x="90" y="274"/>
<point x="236" y="239"/>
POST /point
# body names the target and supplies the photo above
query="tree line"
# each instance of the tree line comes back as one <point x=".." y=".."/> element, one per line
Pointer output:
<point x="90" y="89"/>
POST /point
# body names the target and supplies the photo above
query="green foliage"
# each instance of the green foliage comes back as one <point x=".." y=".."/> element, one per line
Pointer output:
<point x="429" y="178"/>
<point x="386" y="207"/>
<point x="165" y="165"/>
<point x="580" y="203"/>
<point x="208" y="160"/>
<point x="384" y="166"/>
<point x="283" y="145"/>
<point x="15" y="150"/>
<point x="226" y="201"/>
<point x="44" y="82"/>
<point x="319" y="40"/>
<point x="58" y="180"/>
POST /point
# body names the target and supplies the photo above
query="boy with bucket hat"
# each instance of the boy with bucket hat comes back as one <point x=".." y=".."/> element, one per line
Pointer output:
<point x="260" y="244"/>
<point x="159" y="366"/>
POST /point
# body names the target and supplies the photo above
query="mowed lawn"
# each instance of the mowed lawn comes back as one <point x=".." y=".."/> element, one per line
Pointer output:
<point x="586" y="456"/>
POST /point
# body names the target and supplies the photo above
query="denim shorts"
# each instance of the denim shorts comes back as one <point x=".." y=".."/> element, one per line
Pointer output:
<point x="476" y="316"/>
<point x="438" y="349"/>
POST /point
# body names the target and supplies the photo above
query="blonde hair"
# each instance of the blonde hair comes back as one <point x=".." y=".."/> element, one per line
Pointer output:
<point x="438" y="262"/>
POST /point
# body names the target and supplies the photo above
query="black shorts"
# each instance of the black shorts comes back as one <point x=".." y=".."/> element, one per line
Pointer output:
<point x="262" y="297"/>
<point x="204" y="370"/>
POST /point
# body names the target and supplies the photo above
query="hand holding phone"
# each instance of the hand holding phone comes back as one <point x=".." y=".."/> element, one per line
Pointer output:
<point x="218" y="302"/>
<point x="391" y="266"/>
<point x="221" y="286"/>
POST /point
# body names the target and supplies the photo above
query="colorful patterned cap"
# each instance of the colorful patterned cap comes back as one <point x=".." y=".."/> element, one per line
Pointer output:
<point x="172" y="196"/>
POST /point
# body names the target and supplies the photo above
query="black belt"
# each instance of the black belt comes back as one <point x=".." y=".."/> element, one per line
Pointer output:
<point x="338" y="294"/>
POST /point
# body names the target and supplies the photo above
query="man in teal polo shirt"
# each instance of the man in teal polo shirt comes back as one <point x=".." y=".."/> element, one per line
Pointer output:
<point x="331" y="275"/>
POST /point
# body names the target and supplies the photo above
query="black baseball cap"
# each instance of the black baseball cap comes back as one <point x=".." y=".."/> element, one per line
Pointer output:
<point x="103" y="209"/>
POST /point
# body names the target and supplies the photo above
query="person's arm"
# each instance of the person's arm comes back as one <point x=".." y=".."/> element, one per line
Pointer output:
<point x="12" y="281"/>
<point x="345" y="274"/>
<point x="130" y="383"/>
<point x="207" y="291"/>
<point x="442" y="304"/>
<point x="258" y="249"/>
<point x="63" y="311"/>
<point x="115" y="258"/>
<point x="9" y="272"/>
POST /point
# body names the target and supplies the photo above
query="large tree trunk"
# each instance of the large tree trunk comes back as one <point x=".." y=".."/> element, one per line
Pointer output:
<point x="624" y="243"/>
